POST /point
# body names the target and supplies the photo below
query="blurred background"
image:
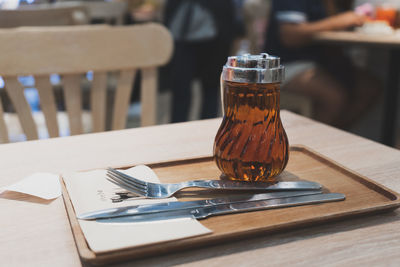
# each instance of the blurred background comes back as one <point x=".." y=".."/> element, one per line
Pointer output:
<point x="340" y="85"/>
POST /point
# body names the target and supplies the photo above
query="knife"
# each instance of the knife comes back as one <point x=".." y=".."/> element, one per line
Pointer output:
<point x="204" y="212"/>
<point x="177" y="205"/>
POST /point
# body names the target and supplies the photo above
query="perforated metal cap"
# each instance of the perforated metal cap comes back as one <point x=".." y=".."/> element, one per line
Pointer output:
<point x="248" y="68"/>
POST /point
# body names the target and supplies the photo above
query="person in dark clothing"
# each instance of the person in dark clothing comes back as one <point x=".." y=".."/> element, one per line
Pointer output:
<point x="293" y="13"/>
<point x="340" y="91"/>
<point x="203" y="32"/>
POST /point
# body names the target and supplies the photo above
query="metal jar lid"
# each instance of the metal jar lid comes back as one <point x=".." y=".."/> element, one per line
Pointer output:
<point x="248" y="68"/>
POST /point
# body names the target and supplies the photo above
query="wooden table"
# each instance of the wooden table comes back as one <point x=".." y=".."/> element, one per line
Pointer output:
<point x="390" y="42"/>
<point x="37" y="233"/>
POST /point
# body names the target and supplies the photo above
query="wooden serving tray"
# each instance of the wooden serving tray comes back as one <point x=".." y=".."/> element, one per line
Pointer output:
<point x="362" y="196"/>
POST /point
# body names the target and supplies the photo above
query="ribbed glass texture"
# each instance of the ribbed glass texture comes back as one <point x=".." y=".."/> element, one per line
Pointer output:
<point x="251" y="143"/>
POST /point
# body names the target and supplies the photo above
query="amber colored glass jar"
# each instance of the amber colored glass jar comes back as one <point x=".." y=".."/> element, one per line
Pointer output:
<point x="251" y="143"/>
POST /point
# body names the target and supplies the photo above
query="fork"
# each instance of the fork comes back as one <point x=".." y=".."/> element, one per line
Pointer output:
<point x="158" y="190"/>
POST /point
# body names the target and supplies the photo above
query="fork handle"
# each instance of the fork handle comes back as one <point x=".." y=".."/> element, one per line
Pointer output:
<point x="229" y="185"/>
<point x="234" y="185"/>
<point x="203" y="184"/>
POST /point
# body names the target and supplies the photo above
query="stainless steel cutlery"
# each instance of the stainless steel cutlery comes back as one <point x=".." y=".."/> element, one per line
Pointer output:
<point x="177" y="205"/>
<point x="158" y="190"/>
<point x="228" y="208"/>
<point x="204" y="208"/>
<point x="277" y="195"/>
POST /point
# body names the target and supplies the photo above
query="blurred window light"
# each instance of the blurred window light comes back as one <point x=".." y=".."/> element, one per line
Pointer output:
<point x="9" y="4"/>
<point x="27" y="1"/>
<point x="32" y="97"/>
<point x="27" y="81"/>
<point x="55" y="79"/>
<point x="89" y="75"/>
<point x="1" y="82"/>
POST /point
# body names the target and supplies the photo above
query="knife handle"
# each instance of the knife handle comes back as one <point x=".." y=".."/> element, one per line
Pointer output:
<point x="202" y="213"/>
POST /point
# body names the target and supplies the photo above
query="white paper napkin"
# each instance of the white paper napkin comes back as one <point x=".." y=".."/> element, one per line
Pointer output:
<point x="91" y="191"/>
<point x="42" y="185"/>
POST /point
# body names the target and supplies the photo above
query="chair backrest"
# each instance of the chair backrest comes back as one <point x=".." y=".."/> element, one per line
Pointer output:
<point x="110" y="12"/>
<point x="71" y="52"/>
<point x="44" y="15"/>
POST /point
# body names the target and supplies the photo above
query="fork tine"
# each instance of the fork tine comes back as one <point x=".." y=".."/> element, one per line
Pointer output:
<point x="130" y="189"/>
<point x="126" y="181"/>
<point x="126" y="176"/>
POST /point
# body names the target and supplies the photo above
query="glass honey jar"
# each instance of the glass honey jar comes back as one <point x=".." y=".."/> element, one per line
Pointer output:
<point x="251" y="143"/>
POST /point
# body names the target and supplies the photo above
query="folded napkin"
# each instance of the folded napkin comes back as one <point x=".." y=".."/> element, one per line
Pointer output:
<point x="91" y="191"/>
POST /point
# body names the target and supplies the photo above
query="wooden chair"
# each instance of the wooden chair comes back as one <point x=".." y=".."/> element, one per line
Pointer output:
<point x="44" y="15"/>
<point x="71" y="52"/>
<point x="111" y="12"/>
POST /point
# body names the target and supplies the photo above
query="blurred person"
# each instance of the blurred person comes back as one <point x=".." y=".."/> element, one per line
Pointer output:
<point x="203" y="32"/>
<point x="340" y="91"/>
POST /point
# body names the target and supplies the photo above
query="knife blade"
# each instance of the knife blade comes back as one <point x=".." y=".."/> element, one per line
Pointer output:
<point x="177" y="205"/>
<point x="204" y="212"/>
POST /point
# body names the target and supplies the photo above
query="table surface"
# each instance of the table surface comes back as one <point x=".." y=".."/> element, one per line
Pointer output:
<point x="357" y="37"/>
<point x="38" y="233"/>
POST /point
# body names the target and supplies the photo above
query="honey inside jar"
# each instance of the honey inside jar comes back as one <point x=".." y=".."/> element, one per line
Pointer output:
<point x="251" y="143"/>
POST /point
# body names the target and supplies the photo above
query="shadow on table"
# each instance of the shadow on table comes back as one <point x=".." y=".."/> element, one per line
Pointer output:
<point x="24" y="197"/>
<point x="268" y="240"/>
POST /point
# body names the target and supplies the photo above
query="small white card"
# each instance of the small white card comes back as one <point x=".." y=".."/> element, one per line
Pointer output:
<point x="43" y="185"/>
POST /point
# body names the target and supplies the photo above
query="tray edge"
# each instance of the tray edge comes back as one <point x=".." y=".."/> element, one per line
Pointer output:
<point x="89" y="256"/>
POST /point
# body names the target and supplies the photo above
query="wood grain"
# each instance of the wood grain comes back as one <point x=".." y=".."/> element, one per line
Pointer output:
<point x="73" y="51"/>
<point x="44" y="15"/>
<point x="149" y="96"/>
<point x="83" y="48"/>
<point x="3" y="127"/>
<point x="48" y="104"/>
<point x="122" y="99"/>
<point x="39" y="232"/>
<point x="16" y="93"/>
<point x="343" y="37"/>
<point x="362" y="196"/>
<point x="73" y="102"/>
<point x="98" y="101"/>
